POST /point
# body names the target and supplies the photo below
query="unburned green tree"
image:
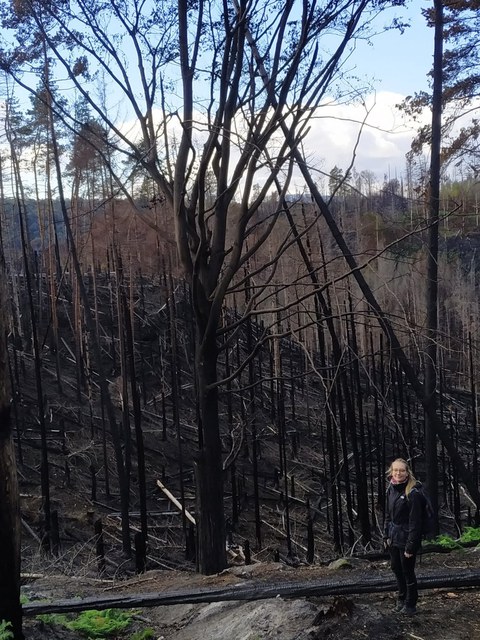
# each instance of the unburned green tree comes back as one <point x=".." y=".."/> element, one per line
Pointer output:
<point x="460" y="84"/>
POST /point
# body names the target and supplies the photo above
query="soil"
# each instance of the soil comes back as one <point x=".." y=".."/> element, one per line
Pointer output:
<point x="443" y="614"/>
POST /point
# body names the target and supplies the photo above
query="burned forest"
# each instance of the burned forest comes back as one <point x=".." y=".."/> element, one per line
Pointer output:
<point x="313" y="402"/>
<point x="212" y="347"/>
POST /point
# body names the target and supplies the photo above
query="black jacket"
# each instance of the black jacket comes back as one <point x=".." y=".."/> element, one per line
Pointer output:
<point x="403" y="518"/>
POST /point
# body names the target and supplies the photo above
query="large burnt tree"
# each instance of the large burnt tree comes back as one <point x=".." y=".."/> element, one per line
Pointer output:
<point x="451" y="136"/>
<point x="10" y="607"/>
<point x="222" y="95"/>
<point x="209" y="131"/>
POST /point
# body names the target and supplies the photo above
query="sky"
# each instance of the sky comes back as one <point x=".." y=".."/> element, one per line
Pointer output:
<point x="397" y="65"/>
<point x="401" y="60"/>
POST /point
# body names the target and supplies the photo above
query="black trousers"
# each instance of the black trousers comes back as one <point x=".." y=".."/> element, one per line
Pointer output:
<point x="404" y="570"/>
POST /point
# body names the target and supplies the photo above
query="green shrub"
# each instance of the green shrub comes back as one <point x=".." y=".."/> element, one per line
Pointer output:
<point x="5" y="630"/>
<point x="98" y="624"/>
<point x="470" y="534"/>
<point x="93" y="623"/>
<point x="146" y="634"/>
<point x="445" y="541"/>
<point x="54" y="618"/>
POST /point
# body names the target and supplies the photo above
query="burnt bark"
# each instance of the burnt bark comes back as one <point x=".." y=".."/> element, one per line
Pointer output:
<point x="432" y="264"/>
<point x="210" y="519"/>
<point x="10" y="607"/>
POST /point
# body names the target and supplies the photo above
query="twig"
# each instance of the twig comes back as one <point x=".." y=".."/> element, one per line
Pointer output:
<point x="31" y="531"/>
<point x="284" y="535"/>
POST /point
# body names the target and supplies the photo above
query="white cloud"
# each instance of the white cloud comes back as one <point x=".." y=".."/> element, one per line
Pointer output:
<point x="385" y="135"/>
<point x="334" y="128"/>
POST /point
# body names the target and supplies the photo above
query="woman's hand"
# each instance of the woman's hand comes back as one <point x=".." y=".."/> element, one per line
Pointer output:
<point x="408" y="555"/>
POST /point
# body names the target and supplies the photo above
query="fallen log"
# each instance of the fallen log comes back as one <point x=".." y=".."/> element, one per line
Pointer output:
<point x="256" y="591"/>
<point x="171" y="497"/>
<point x="427" y="547"/>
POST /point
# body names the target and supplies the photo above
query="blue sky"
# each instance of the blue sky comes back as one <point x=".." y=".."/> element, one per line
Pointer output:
<point x="400" y="62"/>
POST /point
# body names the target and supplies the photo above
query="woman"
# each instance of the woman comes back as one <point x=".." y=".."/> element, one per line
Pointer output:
<point x="403" y="532"/>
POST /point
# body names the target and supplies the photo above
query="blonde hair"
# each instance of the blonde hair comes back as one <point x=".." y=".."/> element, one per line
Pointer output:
<point x="412" y="481"/>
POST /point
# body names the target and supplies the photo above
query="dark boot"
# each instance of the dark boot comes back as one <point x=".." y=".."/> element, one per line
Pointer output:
<point x="401" y="593"/>
<point x="399" y="605"/>
<point x="411" y="599"/>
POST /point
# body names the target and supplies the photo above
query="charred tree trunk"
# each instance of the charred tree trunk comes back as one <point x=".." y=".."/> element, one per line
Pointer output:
<point x="473" y="394"/>
<point x="209" y="469"/>
<point x="432" y="264"/>
<point x="137" y="417"/>
<point x="175" y="384"/>
<point x="366" y="290"/>
<point x="123" y="384"/>
<point x="343" y="389"/>
<point x="253" y="426"/>
<point x="10" y="607"/>
<point x="44" y="465"/>
<point x="387" y="328"/>
<point x="97" y="354"/>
